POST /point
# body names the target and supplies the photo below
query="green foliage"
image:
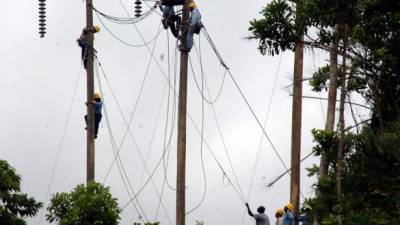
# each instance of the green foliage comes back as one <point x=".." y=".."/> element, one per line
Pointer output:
<point x="319" y="79"/>
<point x="371" y="183"/>
<point x="14" y="206"/>
<point x="277" y="30"/>
<point x="85" y="205"/>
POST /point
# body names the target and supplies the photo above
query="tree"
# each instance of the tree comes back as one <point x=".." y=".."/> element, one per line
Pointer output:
<point x="368" y="166"/>
<point x="14" y="205"/>
<point x="85" y="205"/>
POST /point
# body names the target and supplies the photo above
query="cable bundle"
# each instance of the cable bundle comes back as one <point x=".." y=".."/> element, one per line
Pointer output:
<point x="42" y="18"/>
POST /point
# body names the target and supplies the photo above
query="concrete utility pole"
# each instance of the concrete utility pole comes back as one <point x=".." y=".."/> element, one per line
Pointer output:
<point x="90" y="93"/>
<point x="296" y="122"/>
<point x="182" y="104"/>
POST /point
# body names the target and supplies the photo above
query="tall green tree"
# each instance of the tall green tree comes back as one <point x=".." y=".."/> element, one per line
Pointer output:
<point x="85" y="205"/>
<point x="15" y="206"/>
<point x="370" y="180"/>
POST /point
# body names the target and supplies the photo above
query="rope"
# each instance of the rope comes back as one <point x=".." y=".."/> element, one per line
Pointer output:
<point x="268" y="109"/>
<point x="53" y="170"/>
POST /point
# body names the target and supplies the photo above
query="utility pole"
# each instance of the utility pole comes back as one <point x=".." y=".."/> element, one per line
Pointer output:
<point x="90" y="92"/>
<point x="296" y="122"/>
<point x="182" y="104"/>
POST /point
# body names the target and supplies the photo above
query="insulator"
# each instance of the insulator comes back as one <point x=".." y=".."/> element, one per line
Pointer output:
<point x="138" y="8"/>
<point x="42" y="18"/>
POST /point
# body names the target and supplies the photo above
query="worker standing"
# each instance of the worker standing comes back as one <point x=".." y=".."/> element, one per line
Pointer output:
<point x="97" y="112"/>
<point x="279" y="216"/>
<point x="261" y="218"/>
<point x="305" y="218"/>
<point x="84" y="43"/>
<point x="288" y="218"/>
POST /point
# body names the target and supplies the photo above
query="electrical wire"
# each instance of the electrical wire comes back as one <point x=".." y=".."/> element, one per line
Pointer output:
<point x="243" y="96"/>
<point x="134" y="108"/>
<point x="122" y="20"/>
<point x="191" y="119"/>
<point x="145" y="166"/>
<point x="125" y="42"/>
<point x="120" y="165"/>
<point x="201" y="146"/>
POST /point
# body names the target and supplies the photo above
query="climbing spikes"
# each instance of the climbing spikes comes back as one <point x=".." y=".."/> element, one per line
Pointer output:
<point x="138" y="8"/>
<point x="42" y="18"/>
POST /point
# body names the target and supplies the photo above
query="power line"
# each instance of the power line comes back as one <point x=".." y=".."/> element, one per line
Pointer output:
<point x="120" y="165"/>
<point x="243" y="96"/>
<point x="134" y="108"/>
<point x="145" y="166"/>
<point x="197" y="129"/>
<point x="125" y="42"/>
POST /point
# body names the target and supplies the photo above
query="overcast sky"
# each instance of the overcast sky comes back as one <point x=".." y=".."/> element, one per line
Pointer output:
<point x="38" y="82"/>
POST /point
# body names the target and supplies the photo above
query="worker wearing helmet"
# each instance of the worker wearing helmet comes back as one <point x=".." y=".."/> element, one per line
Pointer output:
<point x="305" y="217"/>
<point x="83" y="41"/>
<point x="288" y="218"/>
<point x="260" y="217"/>
<point x="279" y="216"/>
<point x="195" y="25"/>
<point x="97" y="112"/>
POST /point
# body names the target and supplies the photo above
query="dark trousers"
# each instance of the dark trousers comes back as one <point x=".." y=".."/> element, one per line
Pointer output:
<point x="174" y="23"/>
<point x="84" y="52"/>
<point x="97" y="119"/>
<point x="173" y="2"/>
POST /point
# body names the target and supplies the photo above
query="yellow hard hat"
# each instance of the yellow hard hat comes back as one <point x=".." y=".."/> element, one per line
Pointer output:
<point x="192" y="4"/>
<point x="290" y="206"/>
<point x="280" y="212"/>
<point x="96" y="95"/>
<point x="97" y="29"/>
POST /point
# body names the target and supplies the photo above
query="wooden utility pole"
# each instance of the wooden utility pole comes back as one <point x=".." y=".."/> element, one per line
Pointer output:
<point x="296" y="125"/>
<point x="296" y="121"/>
<point x="182" y="104"/>
<point x="90" y="93"/>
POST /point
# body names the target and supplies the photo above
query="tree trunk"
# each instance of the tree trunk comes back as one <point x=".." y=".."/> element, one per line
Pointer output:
<point x="330" y="118"/>
<point x="341" y="144"/>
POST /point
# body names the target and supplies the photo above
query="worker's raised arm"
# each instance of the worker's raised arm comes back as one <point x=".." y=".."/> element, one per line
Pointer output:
<point x="249" y="210"/>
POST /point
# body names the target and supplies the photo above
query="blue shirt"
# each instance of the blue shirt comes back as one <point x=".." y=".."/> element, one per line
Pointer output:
<point x="288" y="218"/>
<point x="98" y="107"/>
<point x="195" y="18"/>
